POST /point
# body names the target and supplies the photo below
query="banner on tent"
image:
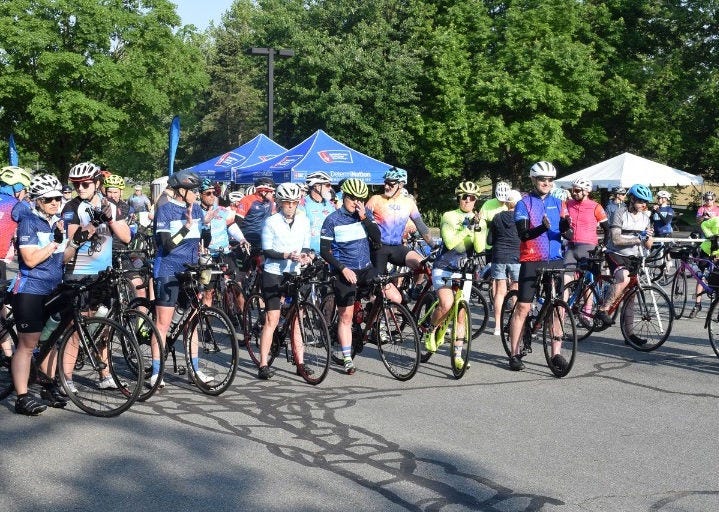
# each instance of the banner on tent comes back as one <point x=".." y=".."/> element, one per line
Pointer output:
<point x="336" y="156"/>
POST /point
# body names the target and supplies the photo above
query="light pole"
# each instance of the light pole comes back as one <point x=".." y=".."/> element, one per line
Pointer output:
<point x="270" y="53"/>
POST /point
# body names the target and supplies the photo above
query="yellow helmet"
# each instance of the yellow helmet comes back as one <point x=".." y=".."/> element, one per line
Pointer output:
<point x="467" y="187"/>
<point x="12" y="175"/>
<point x="115" y="181"/>
<point x="355" y="187"/>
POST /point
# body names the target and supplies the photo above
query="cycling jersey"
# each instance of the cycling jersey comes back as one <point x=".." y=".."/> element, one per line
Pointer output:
<point x="487" y="212"/>
<point x="94" y="255"/>
<point x="713" y="211"/>
<point x="35" y="231"/>
<point x="350" y="245"/>
<point x="548" y="245"/>
<point x="280" y="236"/>
<point x="170" y="218"/>
<point x="220" y="239"/>
<point x="710" y="228"/>
<point x="7" y="223"/>
<point x="254" y="211"/>
<point x="459" y="240"/>
<point x="316" y="212"/>
<point x="662" y="220"/>
<point x="610" y="209"/>
<point x="630" y="224"/>
<point x="391" y="215"/>
<point x="584" y="216"/>
<point x="123" y="212"/>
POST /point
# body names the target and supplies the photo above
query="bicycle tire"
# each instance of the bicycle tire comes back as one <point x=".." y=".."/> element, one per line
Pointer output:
<point x="652" y="336"/>
<point x="584" y="316"/>
<point x="479" y="311"/>
<point x="424" y="308"/>
<point x="712" y="326"/>
<point x="559" y="317"/>
<point x="217" y="350"/>
<point x="253" y="318"/>
<point x="397" y="340"/>
<point x="668" y="273"/>
<point x="315" y="342"/>
<point x="679" y="294"/>
<point x="141" y="326"/>
<point x="464" y="351"/>
<point x="7" y="328"/>
<point x="122" y="363"/>
<point x="233" y="293"/>
<point x="508" y="305"/>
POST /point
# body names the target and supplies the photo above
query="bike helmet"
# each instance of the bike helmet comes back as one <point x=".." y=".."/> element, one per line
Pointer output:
<point x="288" y="192"/>
<point x="640" y="192"/>
<point x="583" y="183"/>
<point x="355" y="187"/>
<point x="184" y="179"/>
<point x="396" y="174"/>
<point x="559" y="193"/>
<point x="84" y="172"/>
<point x="664" y="194"/>
<point x="44" y="185"/>
<point x="317" y="178"/>
<point x="467" y="187"/>
<point x="708" y="196"/>
<point x="14" y="175"/>
<point x="115" y="181"/>
<point x="620" y="191"/>
<point x="235" y="196"/>
<point x="501" y="190"/>
<point x="304" y="187"/>
<point x="66" y="189"/>
<point x="207" y="185"/>
<point x="514" y="196"/>
<point x="543" y="169"/>
<point x="264" y="184"/>
<point x="250" y="190"/>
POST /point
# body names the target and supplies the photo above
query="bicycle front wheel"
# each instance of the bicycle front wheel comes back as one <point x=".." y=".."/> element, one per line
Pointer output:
<point x="422" y="317"/>
<point x="231" y="303"/>
<point x="114" y="353"/>
<point x="9" y="338"/>
<point x="211" y="339"/>
<point x="461" y="343"/>
<point x="559" y="336"/>
<point x="253" y="320"/>
<point x="679" y="294"/>
<point x="584" y="305"/>
<point x="315" y="339"/>
<point x="646" y="318"/>
<point x="140" y="326"/>
<point x="398" y="341"/>
<point x="479" y="310"/>
<point x="508" y="305"/>
<point x="712" y="325"/>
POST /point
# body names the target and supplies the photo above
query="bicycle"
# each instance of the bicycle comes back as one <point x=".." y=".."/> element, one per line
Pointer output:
<point x="457" y="321"/>
<point x="296" y="314"/>
<point x="686" y="265"/>
<point x="711" y="324"/>
<point x="88" y="346"/>
<point x="388" y="325"/>
<point x="554" y="317"/>
<point x="206" y="331"/>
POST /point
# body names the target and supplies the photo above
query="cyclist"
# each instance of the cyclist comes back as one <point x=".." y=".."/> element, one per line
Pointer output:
<point x="584" y="215"/>
<point x="14" y="182"/>
<point x="178" y="222"/>
<point x="66" y="195"/>
<point x="618" y="194"/>
<point x="541" y="220"/>
<point x="709" y="208"/>
<point x="663" y="214"/>
<point x="391" y="211"/>
<point x="461" y="236"/>
<point x="254" y="209"/>
<point x="103" y="221"/>
<point x="318" y="205"/>
<point x="487" y="212"/>
<point x="504" y="241"/>
<point x="630" y="229"/>
<point x="345" y="243"/>
<point x="286" y="246"/>
<point x="41" y="246"/>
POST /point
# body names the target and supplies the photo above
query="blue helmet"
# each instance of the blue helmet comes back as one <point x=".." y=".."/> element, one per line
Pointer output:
<point x="396" y="174"/>
<point x="207" y="185"/>
<point x="641" y="192"/>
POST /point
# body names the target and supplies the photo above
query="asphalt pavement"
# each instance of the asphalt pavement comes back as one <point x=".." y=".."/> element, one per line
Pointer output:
<point x="624" y="431"/>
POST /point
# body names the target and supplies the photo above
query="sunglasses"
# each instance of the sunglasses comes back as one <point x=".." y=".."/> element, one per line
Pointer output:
<point x="468" y="197"/>
<point x="208" y="193"/>
<point x="48" y="200"/>
<point x="577" y="190"/>
<point x="291" y="203"/>
<point x="354" y="198"/>
<point x="390" y="183"/>
<point x="545" y="179"/>
<point x="83" y="184"/>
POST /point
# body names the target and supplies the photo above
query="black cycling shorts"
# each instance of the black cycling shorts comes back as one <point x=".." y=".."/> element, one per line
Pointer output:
<point x="345" y="292"/>
<point x="528" y="277"/>
<point x="29" y="312"/>
<point x="394" y="254"/>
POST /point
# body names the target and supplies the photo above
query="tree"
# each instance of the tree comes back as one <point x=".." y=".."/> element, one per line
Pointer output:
<point x="95" y="80"/>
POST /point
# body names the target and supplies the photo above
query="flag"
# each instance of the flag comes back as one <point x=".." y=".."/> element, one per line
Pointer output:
<point x="13" y="151"/>
<point x="174" y="140"/>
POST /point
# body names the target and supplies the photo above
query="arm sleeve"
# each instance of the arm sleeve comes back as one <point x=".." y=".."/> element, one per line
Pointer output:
<point x="271" y="253"/>
<point x="326" y="253"/>
<point x="169" y="242"/>
<point x="526" y="233"/>
<point x="235" y="233"/>
<point x="372" y="229"/>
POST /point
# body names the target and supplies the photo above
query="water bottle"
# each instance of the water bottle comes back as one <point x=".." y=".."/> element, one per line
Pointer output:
<point x="52" y="322"/>
<point x="101" y="312"/>
<point x="176" y="316"/>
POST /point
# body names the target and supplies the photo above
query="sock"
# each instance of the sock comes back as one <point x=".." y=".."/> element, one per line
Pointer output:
<point x="347" y="353"/>
<point x="195" y="363"/>
<point x="155" y="366"/>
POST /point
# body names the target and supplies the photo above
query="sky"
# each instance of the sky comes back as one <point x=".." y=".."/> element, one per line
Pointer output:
<point x="200" y="12"/>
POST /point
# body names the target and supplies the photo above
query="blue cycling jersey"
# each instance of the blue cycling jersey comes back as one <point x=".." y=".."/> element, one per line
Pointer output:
<point x="317" y="213"/>
<point x="43" y="278"/>
<point x="350" y="244"/>
<point x="170" y="218"/>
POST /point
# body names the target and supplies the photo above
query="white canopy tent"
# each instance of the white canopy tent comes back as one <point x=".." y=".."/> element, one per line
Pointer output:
<point x="627" y="169"/>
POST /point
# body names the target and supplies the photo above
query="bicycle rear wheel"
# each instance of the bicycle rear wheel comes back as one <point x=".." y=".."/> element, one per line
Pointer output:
<point x="231" y="303"/>
<point x="116" y="351"/>
<point x="712" y="326"/>
<point x="216" y="351"/>
<point x="646" y="318"/>
<point x="424" y="310"/>
<point x="459" y="353"/>
<point x="140" y="326"/>
<point x="479" y="310"/>
<point x="559" y="337"/>
<point x="679" y="294"/>
<point x="7" y="335"/>
<point x="253" y="319"/>
<point x="315" y="339"/>
<point x="397" y="340"/>
<point x="584" y="305"/>
<point x="508" y="305"/>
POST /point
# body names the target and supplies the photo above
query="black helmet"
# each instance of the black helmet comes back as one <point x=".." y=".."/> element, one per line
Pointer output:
<point x="184" y="179"/>
<point x="66" y="189"/>
<point x="265" y="182"/>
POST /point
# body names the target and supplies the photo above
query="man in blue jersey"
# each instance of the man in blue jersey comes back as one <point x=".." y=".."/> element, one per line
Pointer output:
<point x="318" y="205"/>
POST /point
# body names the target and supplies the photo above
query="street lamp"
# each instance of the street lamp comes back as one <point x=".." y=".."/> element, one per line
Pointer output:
<point x="270" y="53"/>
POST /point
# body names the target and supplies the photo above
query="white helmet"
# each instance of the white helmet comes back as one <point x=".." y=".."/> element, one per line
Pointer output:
<point x="514" y="196"/>
<point x="583" y="183"/>
<point x="288" y="192"/>
<point x="317" y="178"/>
<point x="45" y="185"/>
<point x="250" y="190"/>
<point x="664" y="194"/>
<point x="543" y="169"/>
<point x="84" y="171"/>
<point x="501" y="191"/>
<point x="235" y="196"/>
<point x="559" y="193"/>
